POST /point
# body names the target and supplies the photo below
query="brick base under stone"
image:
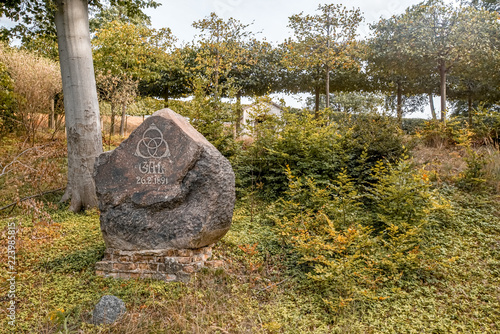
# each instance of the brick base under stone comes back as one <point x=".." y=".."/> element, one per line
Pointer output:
<point x="164" y="264"/>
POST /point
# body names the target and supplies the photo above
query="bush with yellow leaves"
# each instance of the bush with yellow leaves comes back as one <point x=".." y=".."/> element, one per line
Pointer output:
<point x="360" y="244"/>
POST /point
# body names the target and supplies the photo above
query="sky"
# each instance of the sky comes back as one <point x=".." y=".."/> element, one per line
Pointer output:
<point x="268" y="17"/>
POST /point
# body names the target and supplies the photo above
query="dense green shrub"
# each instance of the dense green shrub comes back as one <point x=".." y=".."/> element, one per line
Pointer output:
<point x="316" y="147"/>
<point x="353" y="251"/>
<point x="485" y="129"/>
<point x="211" y="117"/>
<point x="486" y="126"/>
<point x="438" y="134"/>
<point x="413" y="125"/>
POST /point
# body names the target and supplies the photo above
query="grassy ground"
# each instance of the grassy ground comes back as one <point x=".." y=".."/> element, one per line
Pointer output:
<point x="56" y="288"/>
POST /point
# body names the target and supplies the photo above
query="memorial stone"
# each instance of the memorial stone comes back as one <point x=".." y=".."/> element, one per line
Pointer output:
<point x="165" y="195"/>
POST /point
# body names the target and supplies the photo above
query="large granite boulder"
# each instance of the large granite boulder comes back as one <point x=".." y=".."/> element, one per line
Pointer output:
<point x="164" y="187"/>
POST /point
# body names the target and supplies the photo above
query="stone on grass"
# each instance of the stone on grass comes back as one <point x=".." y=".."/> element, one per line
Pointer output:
<point x="108" y="310"/>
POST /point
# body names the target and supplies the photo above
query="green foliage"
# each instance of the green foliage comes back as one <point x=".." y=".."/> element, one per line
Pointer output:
<point x="473" y="178"/>
<point x="36" y="18"/>
<point x="323" y="43"/>
<point x="74" y="262"/>
<point x="224" y="50"/>
<point x="379" y="259"/>
<point x="319" y="148"/>
<point x="413" y="125"/>
<point x="486" y="126"/>
<point x="211" y="117"/>
<point x="438" y="134"/>
<point x="351" y="102"/>
<point x="485" y="130"/>
<point x="144" y="106"/>
<point x="359" y="246"/>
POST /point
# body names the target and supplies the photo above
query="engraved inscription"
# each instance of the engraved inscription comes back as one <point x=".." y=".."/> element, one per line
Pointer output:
<point x="151" y="179"/>
<point x="152" y="144"/>
<point x="151" y="167"/>
<point x="153" y="173"/>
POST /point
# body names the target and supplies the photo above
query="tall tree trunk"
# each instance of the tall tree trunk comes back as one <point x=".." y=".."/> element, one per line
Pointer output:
<point x="239" y="114"/>
<point x="399" y="108"/>
<point x="327" y="105"/>
<point x="52" y="122"/>
<point x="431" y="103"/>
<point x="316" y="101"/>
<point x="469" y="100"/>
<point x="217" y="68"/>
<point x="165" y="97"/>
<point x="122" y="122"/>
<point x="80" y="102"/>
<point x="112" y="121"/>
<point x="442" y="74"/>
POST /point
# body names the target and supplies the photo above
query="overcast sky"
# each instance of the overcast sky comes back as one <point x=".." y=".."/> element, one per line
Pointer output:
<point x="270" y="17"/>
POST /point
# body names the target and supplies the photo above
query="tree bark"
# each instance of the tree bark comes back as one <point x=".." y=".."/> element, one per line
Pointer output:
<point x="164" y="95"/>
<point x="239" y="114"/>
<point x="122" y="122"/>
<point x="327" y="105"/>
<point x="83" y="129"/>
<point x="399" y="108"/>
<point x="112" y="121"/>
<point x="442" y="74"/>
<point x="431" y="103"/>
<point x="316" y="102"/>
<point x="469" y="100"/>
<point x="52" y="122"/>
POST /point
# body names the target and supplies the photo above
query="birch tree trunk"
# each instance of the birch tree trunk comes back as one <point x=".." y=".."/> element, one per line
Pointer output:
<point x="80" y="102"/>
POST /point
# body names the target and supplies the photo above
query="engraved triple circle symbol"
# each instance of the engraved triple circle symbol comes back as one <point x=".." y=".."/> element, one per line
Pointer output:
<point x="152" y="144"/>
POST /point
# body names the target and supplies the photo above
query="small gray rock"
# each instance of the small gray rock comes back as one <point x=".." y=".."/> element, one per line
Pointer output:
<point x="108" y="310"/>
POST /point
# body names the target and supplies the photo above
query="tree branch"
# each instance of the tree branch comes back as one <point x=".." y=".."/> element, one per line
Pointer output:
<point x="32" y="196"/>
<point x="15" y="159"/>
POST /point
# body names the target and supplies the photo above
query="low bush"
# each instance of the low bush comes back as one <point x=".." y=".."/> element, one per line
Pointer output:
<point x="486" y="127"/>
<point x="413" y="125"/>
<point x="485" y="130"/>
<point x="316" y="147"/>
<point x="360" y="245"/>
<point x="211" y="117"/>
<point x="438" y="134"/>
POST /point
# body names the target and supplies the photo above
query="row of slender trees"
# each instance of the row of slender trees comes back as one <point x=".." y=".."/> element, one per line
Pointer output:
<point x="432" y="48"/>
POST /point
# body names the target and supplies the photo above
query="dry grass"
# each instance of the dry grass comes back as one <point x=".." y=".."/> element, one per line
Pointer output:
<point x="492" y="166"/>
<point x="36" y="82"/>
<point x="442" y="163"/>
<point x="448" y="164"/>
<point x="26" y="170"/>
